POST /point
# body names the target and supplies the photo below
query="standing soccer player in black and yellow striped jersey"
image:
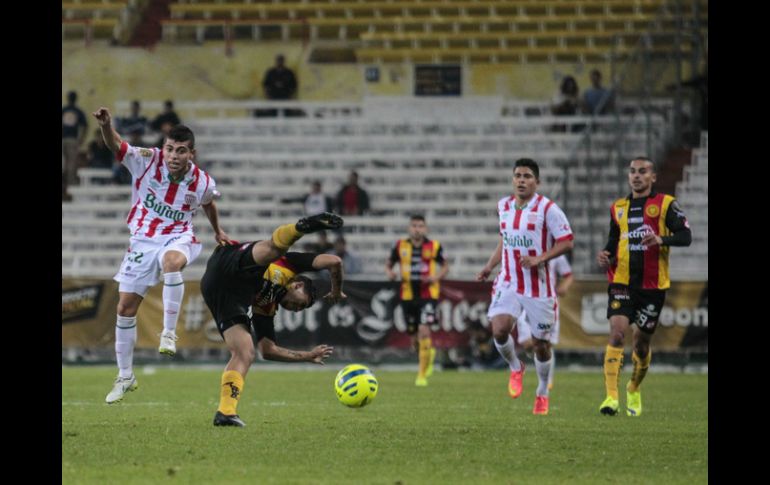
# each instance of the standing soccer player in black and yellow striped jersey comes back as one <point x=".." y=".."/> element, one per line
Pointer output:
<point x="419" y="258"/>
<point x="643" y="226"/>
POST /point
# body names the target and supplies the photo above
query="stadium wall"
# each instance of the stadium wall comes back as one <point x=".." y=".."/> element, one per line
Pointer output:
<point x="104" y="74"/>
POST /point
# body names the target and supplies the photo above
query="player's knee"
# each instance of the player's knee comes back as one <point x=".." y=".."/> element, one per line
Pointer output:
<point x="245" y="354"/>
<point x="617" y="338"/>
<point x="127" y="308"/>
<point x="501" y="333"/>
<point x="641" y="349"/>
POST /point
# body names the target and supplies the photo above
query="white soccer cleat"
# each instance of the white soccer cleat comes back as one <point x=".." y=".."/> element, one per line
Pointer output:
<point x="121" y="387"/>
<point x="168" y="343"/>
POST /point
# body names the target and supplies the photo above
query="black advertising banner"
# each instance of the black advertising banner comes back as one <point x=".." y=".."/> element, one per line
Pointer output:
<point x="371" y="318"/>
<point x="80" y="302"/>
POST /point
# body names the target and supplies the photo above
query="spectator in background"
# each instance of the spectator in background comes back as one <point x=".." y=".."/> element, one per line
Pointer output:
<point x="322" y="245"/>
<point x="168" y="116"/>
<point x="350" y="262"/>
<point x="314" y="202"/>
<point x="593" y="98"/>
<point x="165" y="129"/>
<point x="279" y="83"/>
<point x="136" y="123"/>
<point x="99" y="155"/>
<point x="73" y="133"/>
<point x="566" y="102"/>
<point x="352" y="199"/>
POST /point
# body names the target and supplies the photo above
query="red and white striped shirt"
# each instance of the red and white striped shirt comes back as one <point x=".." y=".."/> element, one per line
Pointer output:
<point x="530" y="231"/>
<point x="159" y="206"/>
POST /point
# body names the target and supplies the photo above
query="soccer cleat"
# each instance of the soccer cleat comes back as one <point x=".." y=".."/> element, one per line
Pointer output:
<point x="514" y="383"/>
<point x="421" y="382"/>
<point x="541" y="405"/>
<point x="120" y="388"/>
<point x="609" y="406"/>
<point x="429" y="370"/>
<point x="168" y="343"/>
<point x="633" y="403"/>
<point x="228" y="420"/>
<point x="319" y="222"/>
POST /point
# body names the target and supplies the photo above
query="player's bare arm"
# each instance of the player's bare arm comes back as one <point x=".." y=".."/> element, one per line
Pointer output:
<point x="213" y="215"/>
<point x="392" y="276"/>
<point x="494" y="260"/>
<point x="334" y="265"/>
<point x="271" y="351"/>
<point x="111" y="137"/>
<point x="603" y="259"/>
<point x="564" y="284"/>
<point x="558" y="249"/>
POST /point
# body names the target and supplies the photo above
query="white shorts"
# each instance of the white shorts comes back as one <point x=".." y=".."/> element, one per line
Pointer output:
<point x="524" y="331"/>
<point x="540" y="312"/>
<point x="143" y="262"/>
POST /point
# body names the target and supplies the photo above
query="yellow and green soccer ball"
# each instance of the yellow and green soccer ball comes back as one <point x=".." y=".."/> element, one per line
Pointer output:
<point x="355" y="386"/>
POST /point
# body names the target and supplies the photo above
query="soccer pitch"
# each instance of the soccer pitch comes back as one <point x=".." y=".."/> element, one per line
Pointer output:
<point x="462" y="428"/>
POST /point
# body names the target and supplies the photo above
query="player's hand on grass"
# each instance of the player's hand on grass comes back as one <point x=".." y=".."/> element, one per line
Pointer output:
<point x="335" y="297"/>
<point x="318" y="354"/>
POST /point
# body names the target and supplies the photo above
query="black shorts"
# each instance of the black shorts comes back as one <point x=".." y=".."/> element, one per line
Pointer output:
<point x="642" y="307"/>
<point x="417" y="312"/>
<point x="229" y="284"/>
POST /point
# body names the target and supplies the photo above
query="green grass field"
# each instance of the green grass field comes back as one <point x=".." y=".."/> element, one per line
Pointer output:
<point x="463" y="428"/>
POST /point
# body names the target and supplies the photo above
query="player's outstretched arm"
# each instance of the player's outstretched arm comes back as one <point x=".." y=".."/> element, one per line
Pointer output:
<point x="213" y="215"/>
<point x="271" y="351"/>
<point x="111" y="137"/>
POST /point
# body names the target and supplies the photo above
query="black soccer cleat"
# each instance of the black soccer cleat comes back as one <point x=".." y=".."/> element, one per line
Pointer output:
<point x="225" y="420"/>
<point x="319" y="222"/>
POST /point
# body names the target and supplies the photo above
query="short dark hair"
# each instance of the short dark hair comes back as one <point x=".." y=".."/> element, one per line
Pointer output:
<point x="529" y="163"/>
<point x="168" y="104"/>
<point x="308" y="287"/>
<point x="182" y="133"/>
<point x="646" y="159"/>
<point x="72" y="96"/>
<point x="417" y="217"/>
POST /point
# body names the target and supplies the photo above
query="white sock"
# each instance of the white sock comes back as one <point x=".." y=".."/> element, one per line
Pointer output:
<point x="543" y="369"/>
<point x="508" y="353"/>
<point x="173" y="292"/>
<point x="553" y="366"/>
<point x="125" y="339"/>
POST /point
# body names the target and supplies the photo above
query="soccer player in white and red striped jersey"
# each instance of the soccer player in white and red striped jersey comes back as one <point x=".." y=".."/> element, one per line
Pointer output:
<point x="522" y="332"/>
<point x="166" y="190"/>
<point x="533" y="230"/>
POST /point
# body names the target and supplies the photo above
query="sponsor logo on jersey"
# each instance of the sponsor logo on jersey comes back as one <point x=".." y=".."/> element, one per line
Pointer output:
<point x="517" y="241"/>
<point x="615" y="304"/>
<point x="190" y="199"/>
<point x="145" y="152"/>
<point x="638" y="233"/>
<point x="162" y="209"/>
